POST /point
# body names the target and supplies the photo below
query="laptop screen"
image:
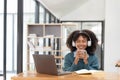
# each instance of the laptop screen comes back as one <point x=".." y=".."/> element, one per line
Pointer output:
<point x="45" y="64"/>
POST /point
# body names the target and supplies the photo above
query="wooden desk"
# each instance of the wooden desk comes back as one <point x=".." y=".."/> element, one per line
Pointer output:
<point x="95" y="76"/>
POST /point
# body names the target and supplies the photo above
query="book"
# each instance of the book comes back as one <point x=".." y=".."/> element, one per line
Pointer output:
<point x="85" y="71"/>
<point x="32" y="47"/>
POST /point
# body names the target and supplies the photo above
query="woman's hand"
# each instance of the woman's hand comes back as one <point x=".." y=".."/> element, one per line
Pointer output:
<point x="85" y="58"/>
<point x="77" y="57"/>
<point x="81" y="54"/>
<point x="76" y="60"/>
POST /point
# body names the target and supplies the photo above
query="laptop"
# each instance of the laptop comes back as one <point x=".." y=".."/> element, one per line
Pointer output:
<point x="45" y="64"/>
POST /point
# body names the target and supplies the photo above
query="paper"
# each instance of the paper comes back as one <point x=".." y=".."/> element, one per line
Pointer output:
<point x="85" y="71"/>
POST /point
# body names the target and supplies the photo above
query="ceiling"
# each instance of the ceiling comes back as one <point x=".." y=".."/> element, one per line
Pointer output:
<point x="61" y="8"/>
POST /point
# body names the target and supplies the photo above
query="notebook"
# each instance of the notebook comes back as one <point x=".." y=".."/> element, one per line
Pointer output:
<point x="46" y="64"/>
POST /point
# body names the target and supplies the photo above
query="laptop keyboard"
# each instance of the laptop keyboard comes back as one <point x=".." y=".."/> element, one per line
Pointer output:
<point x="60" y="72"/>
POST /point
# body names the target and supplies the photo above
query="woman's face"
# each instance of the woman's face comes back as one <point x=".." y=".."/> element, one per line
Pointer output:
<point x="81" y="43"/>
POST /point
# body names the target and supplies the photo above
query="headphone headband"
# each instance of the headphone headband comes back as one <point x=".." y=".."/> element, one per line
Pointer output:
<point x="81" y="32"/>
<point x="89" y="41"/>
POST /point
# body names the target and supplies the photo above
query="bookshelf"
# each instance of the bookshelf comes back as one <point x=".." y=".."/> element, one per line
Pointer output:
<point x="48" y="39"/>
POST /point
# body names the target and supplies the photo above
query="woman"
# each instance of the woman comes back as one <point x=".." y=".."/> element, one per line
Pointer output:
<point x="82" y="45"/>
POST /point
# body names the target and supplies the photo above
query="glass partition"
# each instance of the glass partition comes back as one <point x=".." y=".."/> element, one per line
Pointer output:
<point x="1" y="38"/>
<point x="1" y="46"/>
<point x="97" y="28"/>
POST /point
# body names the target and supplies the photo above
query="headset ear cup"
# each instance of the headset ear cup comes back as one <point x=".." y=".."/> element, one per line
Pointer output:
<point x="89" y="43"/>
<point x="73" y="43"/>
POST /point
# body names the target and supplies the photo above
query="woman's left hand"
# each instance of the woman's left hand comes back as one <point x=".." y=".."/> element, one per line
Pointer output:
<point x="85" y="59"/>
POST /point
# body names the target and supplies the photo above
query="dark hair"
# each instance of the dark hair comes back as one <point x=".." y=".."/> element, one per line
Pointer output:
<point x="85" y="33"/>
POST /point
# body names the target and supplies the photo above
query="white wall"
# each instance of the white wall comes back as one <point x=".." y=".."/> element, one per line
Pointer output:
<point x="91" y="10"/>
<point x="112" y="34"/>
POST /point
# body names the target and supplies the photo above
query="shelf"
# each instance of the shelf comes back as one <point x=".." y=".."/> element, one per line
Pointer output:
<point x="59" y="57"/>
<point x="47" y="39"/>
<point x="58" y="64"/>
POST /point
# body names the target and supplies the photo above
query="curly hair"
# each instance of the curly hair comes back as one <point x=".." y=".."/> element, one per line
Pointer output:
<point x="85" y="33"/>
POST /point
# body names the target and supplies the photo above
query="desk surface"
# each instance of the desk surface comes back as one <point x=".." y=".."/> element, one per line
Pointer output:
<point x="73" y="76"/>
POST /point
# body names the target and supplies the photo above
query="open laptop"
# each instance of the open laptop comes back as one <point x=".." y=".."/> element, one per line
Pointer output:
<point x="46" y="64"/>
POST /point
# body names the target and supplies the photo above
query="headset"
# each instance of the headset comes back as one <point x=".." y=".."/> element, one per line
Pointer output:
<point x="89" y="41"/>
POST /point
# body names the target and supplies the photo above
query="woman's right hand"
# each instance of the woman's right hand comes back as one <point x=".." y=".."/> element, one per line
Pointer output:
<point x="76" y="59"/>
